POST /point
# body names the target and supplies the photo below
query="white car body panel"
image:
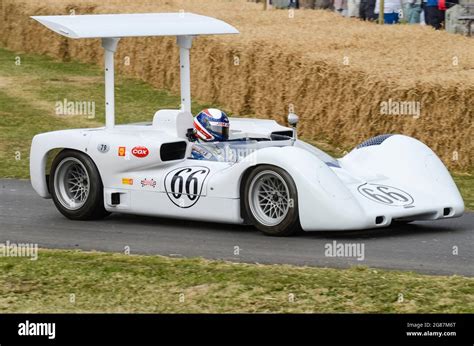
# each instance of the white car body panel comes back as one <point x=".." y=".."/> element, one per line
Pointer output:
<point x="146" y="169"/>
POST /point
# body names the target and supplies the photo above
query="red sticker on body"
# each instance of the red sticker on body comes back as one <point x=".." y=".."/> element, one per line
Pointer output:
<point x="140" y="152"/>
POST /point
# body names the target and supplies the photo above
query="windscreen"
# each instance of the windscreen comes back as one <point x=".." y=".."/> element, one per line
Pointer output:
<point x="232" y="151"/>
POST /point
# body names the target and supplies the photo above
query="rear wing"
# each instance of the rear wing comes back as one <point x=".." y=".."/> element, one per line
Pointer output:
<point x="111" y="27"/>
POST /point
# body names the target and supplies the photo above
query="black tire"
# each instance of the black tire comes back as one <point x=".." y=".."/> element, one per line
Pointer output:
<point x="283" y="225"/>
<point x="92" y="205"/>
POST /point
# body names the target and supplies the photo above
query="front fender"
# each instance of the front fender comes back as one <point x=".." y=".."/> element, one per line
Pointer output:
<point x="406" y="161"/>
<point x="42" y="144"/>
<point x="324" y="202"/>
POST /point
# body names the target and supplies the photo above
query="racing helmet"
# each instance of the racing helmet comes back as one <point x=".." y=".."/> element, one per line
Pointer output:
<point x="212" y="125"/>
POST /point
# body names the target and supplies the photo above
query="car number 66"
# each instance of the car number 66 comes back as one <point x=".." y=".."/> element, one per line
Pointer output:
<point x="184" y="185"/>
<point x="384" y="194"/>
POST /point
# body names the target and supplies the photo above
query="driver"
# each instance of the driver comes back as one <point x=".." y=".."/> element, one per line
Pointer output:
<point x="210" y="126"/>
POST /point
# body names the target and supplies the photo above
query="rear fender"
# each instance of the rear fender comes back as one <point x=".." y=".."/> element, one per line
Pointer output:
<point x="43" y="144"/>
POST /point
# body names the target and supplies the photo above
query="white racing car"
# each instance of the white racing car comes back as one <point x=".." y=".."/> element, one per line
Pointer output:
<point x="265" y="175"/>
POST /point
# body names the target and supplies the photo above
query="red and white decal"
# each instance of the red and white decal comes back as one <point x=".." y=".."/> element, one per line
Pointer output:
<point x="148" y="182"/>
<point x="140" y="152"/>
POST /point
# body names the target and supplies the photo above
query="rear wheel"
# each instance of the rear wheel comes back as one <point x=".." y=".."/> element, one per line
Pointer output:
<point x="76" y="186"/>
<point x="271" y="201"/>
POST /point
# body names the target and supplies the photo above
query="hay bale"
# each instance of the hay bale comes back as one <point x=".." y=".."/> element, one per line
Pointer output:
<point x="334" y="71"/>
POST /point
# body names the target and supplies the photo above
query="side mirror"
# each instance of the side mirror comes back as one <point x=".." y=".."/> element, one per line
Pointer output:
<point x="293" y="119"/>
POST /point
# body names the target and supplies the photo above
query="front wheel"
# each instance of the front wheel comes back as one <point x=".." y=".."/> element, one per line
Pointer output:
<point x="76" y="186"/>
<point x="271" y="201"/>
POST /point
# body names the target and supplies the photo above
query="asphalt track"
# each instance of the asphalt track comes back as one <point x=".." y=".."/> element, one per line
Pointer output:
<point x="425" y="247"/>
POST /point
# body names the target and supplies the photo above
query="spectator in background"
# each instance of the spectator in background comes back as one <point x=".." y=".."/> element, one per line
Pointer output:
<point x="391" y="11"/>
<point x="323" y="4"/>
<point x="366" y="10"/>
<point x="435" y="12"/>
<point x="434" y="16"/>
<point x="412" y="11"/>
<point x="340" y="6"/>
<point x="353" y="8"/>
<point x="294" y="4"/>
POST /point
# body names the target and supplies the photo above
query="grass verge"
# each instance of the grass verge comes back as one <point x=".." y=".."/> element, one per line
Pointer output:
<point x="102" y="282"/>
<point x="465" y="183"/>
